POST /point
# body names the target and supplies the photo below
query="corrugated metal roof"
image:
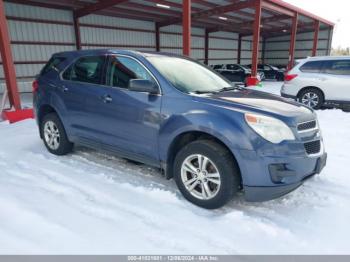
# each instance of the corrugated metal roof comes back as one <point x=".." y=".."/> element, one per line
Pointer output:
<point x="171" y="9"/>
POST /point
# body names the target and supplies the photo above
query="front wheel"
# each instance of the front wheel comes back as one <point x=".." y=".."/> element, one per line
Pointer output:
<point x="206" y="174"/>
<point x="311" y="97"/>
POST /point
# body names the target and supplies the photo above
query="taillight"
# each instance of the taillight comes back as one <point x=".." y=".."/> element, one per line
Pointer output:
<point x="35" y="86"/>
<point x="290" y="77"/>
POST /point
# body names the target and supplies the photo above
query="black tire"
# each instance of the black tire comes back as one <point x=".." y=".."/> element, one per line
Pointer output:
<point x="224" y="162"/>
<point x="313" y="91"/>
<point x="64" y="146"/>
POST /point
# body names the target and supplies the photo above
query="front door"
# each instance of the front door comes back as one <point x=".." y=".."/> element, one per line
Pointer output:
<point x="125" y="120"/>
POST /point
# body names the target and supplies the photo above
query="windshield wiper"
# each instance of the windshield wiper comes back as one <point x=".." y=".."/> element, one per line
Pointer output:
<point x="230" y="88"/>
<point x="225" y="89"/>
<point x="202" y="92"/>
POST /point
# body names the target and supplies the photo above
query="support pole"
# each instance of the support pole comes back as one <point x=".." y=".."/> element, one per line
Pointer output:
<point x="317" y="29"/>
<point x="292" y="41"/>
<point x="186" y="27"/>
<point x="329" y="43"/>
<point x="263" y="51"/>
<point x="206" y="47"/>
<point x="7" y="61"/>
<point x="253" y="80"/>
<point x="77" y="31"/>
<point x="239" y="51"/>
<point x="157" y="37"/>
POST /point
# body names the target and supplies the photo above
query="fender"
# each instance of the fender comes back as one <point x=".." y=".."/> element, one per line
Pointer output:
<point x="54" y="101"/>
<point x="220" y="126"/>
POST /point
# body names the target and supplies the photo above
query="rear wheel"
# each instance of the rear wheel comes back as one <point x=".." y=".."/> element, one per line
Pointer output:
<point x="311" y="97"/>
<point x="206" y="174"/>
<point x="54" y="135"/>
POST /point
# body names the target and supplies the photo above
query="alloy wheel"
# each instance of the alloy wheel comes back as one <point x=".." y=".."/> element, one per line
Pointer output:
<point x="310" y="99"/>
<point x="200" y="177"/>
<point x="51" y="135"/>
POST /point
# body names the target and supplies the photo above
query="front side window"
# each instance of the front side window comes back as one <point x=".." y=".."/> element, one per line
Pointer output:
<point x="122" y="69"/>
<point x="312" y="67"/>
<point x="188" y="76"/>
<point x="340" y="67"/>
<point x="86" y="69"/>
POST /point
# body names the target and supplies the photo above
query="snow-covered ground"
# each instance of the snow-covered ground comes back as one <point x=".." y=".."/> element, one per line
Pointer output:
<point x="93" y="203"/>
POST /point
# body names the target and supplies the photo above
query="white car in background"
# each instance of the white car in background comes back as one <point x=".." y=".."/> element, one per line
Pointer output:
<point x="319" y="81"/>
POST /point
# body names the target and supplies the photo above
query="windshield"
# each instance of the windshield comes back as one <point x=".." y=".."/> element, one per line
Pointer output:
<point x="188" y="76"/>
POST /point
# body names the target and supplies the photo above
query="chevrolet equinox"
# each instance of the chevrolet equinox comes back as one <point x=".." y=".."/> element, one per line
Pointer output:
<point x="176" y="114"/>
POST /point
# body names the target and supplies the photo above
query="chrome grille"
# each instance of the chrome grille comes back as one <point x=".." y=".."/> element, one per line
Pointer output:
<point x="307" y="126"/>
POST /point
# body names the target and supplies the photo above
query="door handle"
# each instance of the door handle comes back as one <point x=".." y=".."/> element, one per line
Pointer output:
<point x="63" y="88"/>
<point x="106" y="98"/>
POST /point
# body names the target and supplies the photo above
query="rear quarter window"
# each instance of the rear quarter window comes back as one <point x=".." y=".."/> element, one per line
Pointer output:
<point x="312" y="67"/>
<point x="86" y="69"/>
<point x="52" y="64"/>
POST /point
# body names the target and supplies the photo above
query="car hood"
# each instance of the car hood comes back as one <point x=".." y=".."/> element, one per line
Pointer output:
<point x="260" y="102"/>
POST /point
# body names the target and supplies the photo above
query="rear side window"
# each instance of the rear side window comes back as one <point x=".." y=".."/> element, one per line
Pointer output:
<point x="312" y="67"/>
<point x="86" y="69"/>
<point x="339" y="67"/>
<point x="52" y="64"/>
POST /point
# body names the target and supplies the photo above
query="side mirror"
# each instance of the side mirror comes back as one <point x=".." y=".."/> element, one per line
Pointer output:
<point x="141" y="85"/>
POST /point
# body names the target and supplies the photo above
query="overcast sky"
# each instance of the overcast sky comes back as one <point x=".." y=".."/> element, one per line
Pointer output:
<point x="337" y="11"/>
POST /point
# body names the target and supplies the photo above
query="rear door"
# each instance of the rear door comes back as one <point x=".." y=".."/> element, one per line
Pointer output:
<point x="335" y="80"/>
<point x="312" y="75"/>
<point x="79" y="84"/>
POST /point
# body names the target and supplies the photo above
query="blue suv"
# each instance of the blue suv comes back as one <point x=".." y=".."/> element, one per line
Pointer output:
<point x="176" y="114"/>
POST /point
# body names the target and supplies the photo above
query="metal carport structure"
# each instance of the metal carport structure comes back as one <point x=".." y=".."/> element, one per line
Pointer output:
<point x="257" y="19"/>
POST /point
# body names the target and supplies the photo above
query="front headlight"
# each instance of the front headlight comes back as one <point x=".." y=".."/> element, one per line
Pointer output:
<point x="270" y="128"/>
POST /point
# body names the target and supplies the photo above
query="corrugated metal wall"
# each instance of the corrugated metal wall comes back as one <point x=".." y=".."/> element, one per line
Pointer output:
<point x="33" y="40"/>
<point x="109" y="32"/>
<point x="171" y="41"/>
<point x="277" y="48"/>
<point x="223" y="48"/>
<point x="36" y="33"/>
<point x="247" y="47"/>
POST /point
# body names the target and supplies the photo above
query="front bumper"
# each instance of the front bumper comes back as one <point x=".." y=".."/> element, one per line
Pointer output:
<point x="264" y="193"/>
<point x="273" y="170"/>
<point x="288" y="96"/>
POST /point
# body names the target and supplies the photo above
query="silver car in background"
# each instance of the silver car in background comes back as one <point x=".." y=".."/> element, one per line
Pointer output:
<point x="320" y="82"/>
